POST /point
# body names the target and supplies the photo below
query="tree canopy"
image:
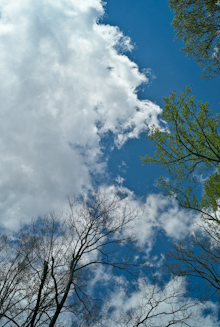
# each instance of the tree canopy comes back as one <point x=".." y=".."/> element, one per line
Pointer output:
<point x="47" y="267"/>
<point x="188" y="145"/>
<point x="197" y="24"/>
<point x="197" y="256"/>
<point x="50" y="272"/>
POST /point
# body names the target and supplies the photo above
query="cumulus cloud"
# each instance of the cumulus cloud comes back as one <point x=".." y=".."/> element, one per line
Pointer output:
<point x="150" y="215"/>
<point x="158" y="306"/>
<point x="63" y="85"/>
<point x="167" y="215"/>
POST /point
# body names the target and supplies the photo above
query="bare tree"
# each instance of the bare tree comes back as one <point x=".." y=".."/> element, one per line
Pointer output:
<point x="48" y="272"/>
<point x="46" y="267"/>
<point x="154" y="304"/>
<point x="198" y="257"/>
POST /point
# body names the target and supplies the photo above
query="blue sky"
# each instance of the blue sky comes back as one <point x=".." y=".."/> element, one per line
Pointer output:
<point x="148" y="23"/>
<point x="69" y="115"/>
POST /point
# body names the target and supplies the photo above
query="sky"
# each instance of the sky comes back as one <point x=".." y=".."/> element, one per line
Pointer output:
<point x="80" y="82"/>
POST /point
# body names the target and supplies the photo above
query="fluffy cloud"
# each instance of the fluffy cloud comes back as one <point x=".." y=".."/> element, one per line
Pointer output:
<point x="63" y="86"/>
<point x="150" y="215"/>
<point x="160" y="213"/>
<point x="167" y="215"/>
<point x="159" y="306"/>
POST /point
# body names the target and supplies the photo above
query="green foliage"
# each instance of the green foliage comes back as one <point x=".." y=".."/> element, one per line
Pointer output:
<point x="197" y="24"/>
<point x="188" y="145"/>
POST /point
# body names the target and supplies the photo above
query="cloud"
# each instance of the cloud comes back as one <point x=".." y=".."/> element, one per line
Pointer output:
<point x="158" y="212"/>
<point x="161" y="305"/>
<point x="151" y="214"/>
<point x="64" y="84"/>
<point x="167" y="215"/>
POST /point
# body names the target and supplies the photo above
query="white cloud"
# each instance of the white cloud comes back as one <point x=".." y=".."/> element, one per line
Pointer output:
<point x="151" y="214"/>
<point x="160" y="213"/>
<point x="161" y="305"/>
<point x="63" y="86"/>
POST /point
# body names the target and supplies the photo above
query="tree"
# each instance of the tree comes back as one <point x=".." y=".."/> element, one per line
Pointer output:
<point x="46" y="269"/>
<point x="197" y="24"/>
<point x="188" y="146"/>
<point x="155" y="304"/>
<point x="198" y="257"/>
<point x="48" y="272"/>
